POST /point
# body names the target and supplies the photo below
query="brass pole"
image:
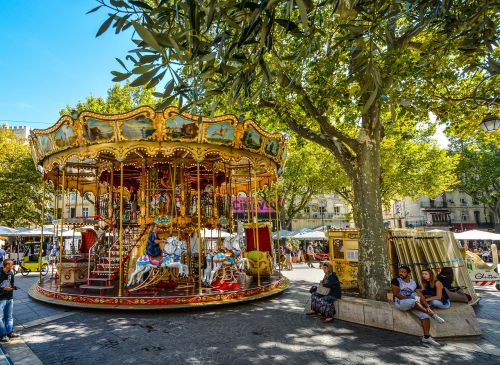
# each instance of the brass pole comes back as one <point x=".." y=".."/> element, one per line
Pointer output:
<point x="249" y="198"/>
<point x="111" y="198"/>
<point x="41" y="235"/>
<point x="198" y="204"/>
<point x="55" y="219"/>
<point x="59" y="271"/>
<point x="256" y="221"/>
<point x="121" y="233"/>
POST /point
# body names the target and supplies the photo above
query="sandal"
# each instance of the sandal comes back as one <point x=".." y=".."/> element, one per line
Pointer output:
<point x="311" y="313"/>
<point x="328" y="320"/>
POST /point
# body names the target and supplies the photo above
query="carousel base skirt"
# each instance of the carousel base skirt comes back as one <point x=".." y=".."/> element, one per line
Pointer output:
<point x="163" y="299"/>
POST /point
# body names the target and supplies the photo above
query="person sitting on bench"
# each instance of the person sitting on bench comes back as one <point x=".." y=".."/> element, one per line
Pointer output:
<point x="322" y="298"/>
<point x="433" y="291"/>
<point x="408" y="296"/>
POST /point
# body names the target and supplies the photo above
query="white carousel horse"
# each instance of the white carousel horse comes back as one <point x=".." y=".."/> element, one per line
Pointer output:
<point x="232" y="255"/>
<point x="172" y="252"/>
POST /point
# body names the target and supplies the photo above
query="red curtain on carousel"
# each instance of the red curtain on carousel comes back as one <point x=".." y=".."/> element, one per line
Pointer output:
<point x="89" y="237"/>
<point x="264" y="238"/>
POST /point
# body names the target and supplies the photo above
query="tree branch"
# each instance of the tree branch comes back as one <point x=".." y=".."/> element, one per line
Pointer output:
<point x="318" y="115"/>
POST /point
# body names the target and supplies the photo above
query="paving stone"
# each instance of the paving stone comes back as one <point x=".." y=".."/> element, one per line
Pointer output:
<point x="274" y="331"/>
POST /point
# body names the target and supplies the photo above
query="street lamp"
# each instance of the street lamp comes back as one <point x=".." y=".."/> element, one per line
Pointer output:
<point x="322" y="206"/>
<point x="490" y="123"/>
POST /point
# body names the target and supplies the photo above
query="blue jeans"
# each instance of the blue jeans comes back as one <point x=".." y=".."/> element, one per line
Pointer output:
<point x="6" y="311"/>
<point x="439" y="304"/>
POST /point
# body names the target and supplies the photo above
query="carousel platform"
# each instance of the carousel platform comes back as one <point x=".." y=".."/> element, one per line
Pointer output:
<point x="185" y="295"/>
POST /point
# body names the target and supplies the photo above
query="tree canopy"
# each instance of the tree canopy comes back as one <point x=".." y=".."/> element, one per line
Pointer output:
<point x="20" y="183"/>
<point x="120" y="99"/>
<point x="479" y="173"/>
<point x="341" y="73"/>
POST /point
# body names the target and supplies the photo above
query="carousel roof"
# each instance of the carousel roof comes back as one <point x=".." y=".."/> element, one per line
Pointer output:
<point x="92" y="143"/>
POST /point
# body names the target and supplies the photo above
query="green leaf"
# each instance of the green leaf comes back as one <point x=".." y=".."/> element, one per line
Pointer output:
<point x="303" y="13"/>
<point x="121" y="63"/>
<point x="144" y="78"/>
<point x="169" y="88"/>
<point x="371" y="99"/>
<point x="140" y="4"/>
<point x="104" y="27"/>
<point x="117" y="3"/>
<point x="92" y="10"/>
<point x="147" y="36"/>
<point x="120" y="76"/>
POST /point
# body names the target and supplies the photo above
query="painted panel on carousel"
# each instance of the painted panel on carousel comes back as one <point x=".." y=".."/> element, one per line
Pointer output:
<point x="252" y="139"/>
<point x="44" y="144"/>
<point x="272" y="147"/>
<point x="98" y="130"/>
<point x="220" y="133"/>
<point x="180" y="128"/>
<point x="64" y="136"/>
<point x="138" y="128"/>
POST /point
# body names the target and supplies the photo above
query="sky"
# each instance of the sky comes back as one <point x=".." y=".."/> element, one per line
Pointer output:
<point x="50" y="58"/>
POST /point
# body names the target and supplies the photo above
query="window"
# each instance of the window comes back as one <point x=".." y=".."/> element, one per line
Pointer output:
<point x="85" y="212"/>
<point x="336" y="210"/>
<point x="352" y="255"/>
<point x="72" y="212"/>
<point x="322" y="209"/>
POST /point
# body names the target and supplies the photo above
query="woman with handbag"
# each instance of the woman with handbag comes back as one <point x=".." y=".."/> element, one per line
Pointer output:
<point x="322" y="297"/>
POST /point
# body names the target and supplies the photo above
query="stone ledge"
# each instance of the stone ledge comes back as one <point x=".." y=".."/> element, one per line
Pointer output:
<point x="460" y="318"/>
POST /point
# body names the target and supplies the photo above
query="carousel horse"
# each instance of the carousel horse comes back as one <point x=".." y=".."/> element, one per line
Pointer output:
<point x="230" y="256"/>
<point x="172" y="252"/>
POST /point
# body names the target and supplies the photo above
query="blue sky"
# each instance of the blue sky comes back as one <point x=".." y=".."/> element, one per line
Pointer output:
<point x="50" y="58"/>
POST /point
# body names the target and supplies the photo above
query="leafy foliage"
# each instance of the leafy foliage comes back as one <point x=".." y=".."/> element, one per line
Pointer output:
<point x="120" y="99"/>
<point x="479" y="172"/>
<point x="20" y="183"/>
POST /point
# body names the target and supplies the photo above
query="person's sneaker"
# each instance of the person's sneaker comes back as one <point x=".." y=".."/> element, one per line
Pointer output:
<point x="13" y="335"/>
<point x="437" y="318"/>
<point x="4" y="339"/>
<point x="430" y="341"/>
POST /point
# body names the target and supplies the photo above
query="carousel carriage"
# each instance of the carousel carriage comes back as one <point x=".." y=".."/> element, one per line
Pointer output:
<point x="179" y="171"/>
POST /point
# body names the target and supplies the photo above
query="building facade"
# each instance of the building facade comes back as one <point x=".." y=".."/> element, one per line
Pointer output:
<point x="324" y="210"/>
<point x="20" y="132"/>
<point x="454" y="210"/>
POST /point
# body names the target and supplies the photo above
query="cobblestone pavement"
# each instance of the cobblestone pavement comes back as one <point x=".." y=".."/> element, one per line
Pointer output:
<point x="274" y="331"/>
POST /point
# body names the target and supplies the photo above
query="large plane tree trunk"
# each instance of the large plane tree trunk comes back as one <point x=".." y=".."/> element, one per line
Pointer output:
<point x="373" y="273"/>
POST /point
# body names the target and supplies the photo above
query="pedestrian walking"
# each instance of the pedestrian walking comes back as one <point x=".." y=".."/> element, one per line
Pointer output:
<point x="310" y="255"/>
<point x="7" y="288"/>
<point x="3" y="254"/>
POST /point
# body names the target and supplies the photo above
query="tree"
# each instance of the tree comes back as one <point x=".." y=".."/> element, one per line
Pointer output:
<point x="337" y="72"/>
<point x="479" y="173"/>
<point x="20" y="183"/>
<point x="120" y="99"/>
<point x="309" y="171"/>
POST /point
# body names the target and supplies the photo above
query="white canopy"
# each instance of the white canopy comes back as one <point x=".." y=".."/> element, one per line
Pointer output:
<point x="310" y="236"/>
<point x="33" y="233"/>
<point x="283" y="234"/>
<point x="477" y="235"/>
<point x="6" y="231"/>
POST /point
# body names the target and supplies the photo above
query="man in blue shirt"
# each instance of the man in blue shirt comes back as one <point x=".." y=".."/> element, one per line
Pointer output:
<point x="7" y="288"/>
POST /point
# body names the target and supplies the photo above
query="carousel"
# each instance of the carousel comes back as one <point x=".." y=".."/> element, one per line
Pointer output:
<point x="162" y="186"/>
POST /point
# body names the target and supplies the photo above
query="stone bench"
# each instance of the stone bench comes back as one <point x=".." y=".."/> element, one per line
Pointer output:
<point x="460" y="318"/>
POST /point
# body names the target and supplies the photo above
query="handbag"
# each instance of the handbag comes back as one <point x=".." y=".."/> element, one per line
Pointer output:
<point x="322" y="290"/>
